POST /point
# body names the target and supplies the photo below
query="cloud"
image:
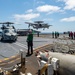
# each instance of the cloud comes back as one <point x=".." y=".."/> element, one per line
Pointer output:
<point x="30" y="10"/>
<point x="40" y="2"/>
<point x="26" y="16"/>
<point x="70" y="19"/>
<point x="20" y="18"/>
<point x="48" y="8"/>
<point x="69" y="4"/>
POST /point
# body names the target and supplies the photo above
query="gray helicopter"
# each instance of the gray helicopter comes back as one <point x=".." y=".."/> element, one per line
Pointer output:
<point x="38" y="24"/>
<point x="8" y="32"/>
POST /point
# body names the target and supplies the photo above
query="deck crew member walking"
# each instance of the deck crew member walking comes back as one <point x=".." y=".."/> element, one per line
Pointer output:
<point x="30" y="42"/>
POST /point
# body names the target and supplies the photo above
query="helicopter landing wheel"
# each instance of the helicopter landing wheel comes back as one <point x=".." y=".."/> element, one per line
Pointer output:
<point x="1" y="39"/>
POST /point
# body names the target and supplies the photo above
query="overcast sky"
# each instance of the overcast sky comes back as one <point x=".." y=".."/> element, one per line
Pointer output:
<point x="59" y="13"/>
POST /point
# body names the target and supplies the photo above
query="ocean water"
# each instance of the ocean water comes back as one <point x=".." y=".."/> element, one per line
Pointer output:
<point x="50" y="33"/>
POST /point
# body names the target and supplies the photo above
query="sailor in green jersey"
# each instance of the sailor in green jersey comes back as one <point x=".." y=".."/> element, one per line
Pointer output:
<point x="30" y="42"/>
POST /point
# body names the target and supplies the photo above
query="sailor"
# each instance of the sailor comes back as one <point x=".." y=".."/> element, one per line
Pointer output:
<point x="30" y="42"/>
<point x="52" y="34"/>
<point x="74" y="35"/>
<point x="71" y="35"/>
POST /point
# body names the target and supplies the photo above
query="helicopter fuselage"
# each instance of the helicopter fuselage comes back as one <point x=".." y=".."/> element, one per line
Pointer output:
<point x="9" y="33"/>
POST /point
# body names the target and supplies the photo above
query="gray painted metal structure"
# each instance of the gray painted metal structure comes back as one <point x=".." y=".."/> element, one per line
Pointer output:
<point x="67" y="63"/>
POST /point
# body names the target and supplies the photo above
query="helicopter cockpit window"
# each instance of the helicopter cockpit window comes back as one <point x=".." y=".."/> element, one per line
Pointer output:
<point x="40" y="25"/>
<point x="13" y="30"/>
<point x="6" y="31"/>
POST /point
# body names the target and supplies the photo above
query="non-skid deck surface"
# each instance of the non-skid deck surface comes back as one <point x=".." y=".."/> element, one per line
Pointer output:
<point x="32" y="65"/>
